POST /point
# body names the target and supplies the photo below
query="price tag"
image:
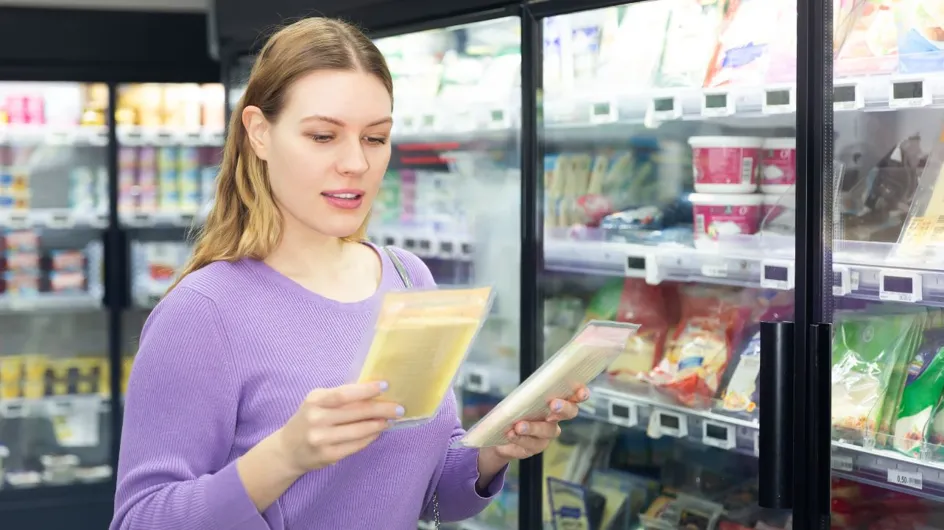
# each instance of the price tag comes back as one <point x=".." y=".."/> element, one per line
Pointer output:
<point x="60" y="137"/>
<point x="847" y="97"/>
<point x="776" y="274"/>
<point x="100" y="220"/>
<point x="604" y="112"/>
<point x="409" y="243"/>
<point x="717" y="104"/>
<point x="499" y="119"/>
<point x="407" y="123"/>
<point x="909" y="94"/>
<point x="899" y="286"/>
<point x="75" y="423"/>
<point x="428" y="122"/>
<point x="665" y="109"/>
<point x="425" y="245"/>
<point x="446" y="248"/>
<point x="185" y="219"/>
<point x="142" y="219"/>
<point x="641" y="265"/>
<point x="842" y="463"/>
<point x="164" y="137"/>
<point x="389" y="241"/>
<point x="715" y="270"/>
<point x="665" y="423"/>
<point x="60" y="220"/>
<point x="477" y="381"/>
<point x="18" y="220"/>
<point x="908" y="479"/>
<point x="842" y="282"/>
<point x="719" y="435"/>
<point x="623" y="413"/>
<point x="779" y="101"/>
<point x="466" y="249"/>
<point x="12" y="409"/>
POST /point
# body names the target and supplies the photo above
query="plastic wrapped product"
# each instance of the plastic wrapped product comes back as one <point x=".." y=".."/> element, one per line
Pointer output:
<point x="421" y="337"/>
<point x="580" y="361"/>
<point x="922" y="390"/>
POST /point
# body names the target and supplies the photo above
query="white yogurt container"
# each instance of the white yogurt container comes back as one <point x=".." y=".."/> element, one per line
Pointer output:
<point x="778" y="166"/>
<point x="778" y="214"/>
<point x="718" y="215"/>
<point x="726" y="164"/>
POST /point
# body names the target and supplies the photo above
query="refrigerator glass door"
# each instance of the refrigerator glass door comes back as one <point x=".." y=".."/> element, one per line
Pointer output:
<point x="55" y="413"/>
<point x="452" y="192"/>
<point x="669" y="142"/>
<point x="885" y="205"/>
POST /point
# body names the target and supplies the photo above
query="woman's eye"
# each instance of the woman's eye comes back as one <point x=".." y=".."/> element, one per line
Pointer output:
<point x="376" y="140"/>
<point x="321" y="138"/>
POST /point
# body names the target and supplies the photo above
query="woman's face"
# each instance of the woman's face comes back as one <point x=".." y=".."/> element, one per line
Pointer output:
<point x="328" y="150"/>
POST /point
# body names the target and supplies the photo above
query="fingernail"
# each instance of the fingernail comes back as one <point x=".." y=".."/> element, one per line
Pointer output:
<point x="383" y="386"/>
<point x="558" y="406"/>
<point x="584" y="394"/>
<point x="400" y="411"/>
<point x="523" y="428"/>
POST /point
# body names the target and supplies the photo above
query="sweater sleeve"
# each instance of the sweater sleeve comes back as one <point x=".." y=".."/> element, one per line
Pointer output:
<point x="179" y="423"/>
<point x="458" y="469"/>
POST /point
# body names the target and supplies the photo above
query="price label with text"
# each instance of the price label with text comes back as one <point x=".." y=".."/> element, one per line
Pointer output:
<point x="666" y="423"/>
<point x="842" y="463"/>
<point x="719" y="435"/>
<point x="477" y="381"/>
<point x="623" y="413"/>
<point x="908" y="479"/>
<point x="900" y="286"/>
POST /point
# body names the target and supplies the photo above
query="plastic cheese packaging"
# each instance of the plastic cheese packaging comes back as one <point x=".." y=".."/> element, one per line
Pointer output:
<point x="421" y="337"/>
<point x="597" y="344"/>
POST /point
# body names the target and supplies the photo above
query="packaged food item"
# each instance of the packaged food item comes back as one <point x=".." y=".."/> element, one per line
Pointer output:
<point x="778" y="214"/>
<point x="922" y="391"/>
<point x="742" y="54"/>
<point x="711" y="324"/>
<point x="717" y="216"/>
<point x="641" y="25"/>
<point x="726" y="164"/>
<point x="869" y="38"/>
<point x="422" y="336"/>
<point x="740" y="394"/>
<point x="688" y="42"/>
<point x="568" y="502"/>
<point x="778" y="173"/>
<point x="782" y="63"/>
<point x="866" y="349"/>
<point x="642" y="304"/>
<point x="580" y="361"/>
<point x="920" y="35"/>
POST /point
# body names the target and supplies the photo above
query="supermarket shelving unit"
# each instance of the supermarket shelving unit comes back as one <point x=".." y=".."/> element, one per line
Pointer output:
<point x="64" y="252"/>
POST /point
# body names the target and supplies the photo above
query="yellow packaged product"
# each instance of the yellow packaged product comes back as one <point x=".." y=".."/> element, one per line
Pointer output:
<point x="421" y="337"/>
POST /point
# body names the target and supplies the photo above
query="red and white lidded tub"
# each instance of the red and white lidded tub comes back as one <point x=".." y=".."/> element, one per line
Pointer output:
<point x="718" y="215"/>
<point x="726" y="164"/>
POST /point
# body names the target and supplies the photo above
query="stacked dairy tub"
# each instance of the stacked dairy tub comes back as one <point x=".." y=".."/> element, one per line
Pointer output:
<point x="743" y="185"/>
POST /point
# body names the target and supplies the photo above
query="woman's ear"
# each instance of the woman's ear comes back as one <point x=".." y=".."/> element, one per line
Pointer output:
<point x="257" y="130"/>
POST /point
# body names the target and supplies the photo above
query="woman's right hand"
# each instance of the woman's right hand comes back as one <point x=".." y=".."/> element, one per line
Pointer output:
<point x="333" y="423"/>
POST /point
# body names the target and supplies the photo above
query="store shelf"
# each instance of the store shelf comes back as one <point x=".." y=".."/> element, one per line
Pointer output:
<point x="52" y="405"/>
<point x="52" y="218"/>
<point x="745" y="263"/>
<point x="132" y="135"/>
<point x="424" y="242"/>
<point x="161" y="219"/>
<point x="50" y="302"/>
<point x="640" y="407"/>
<point x="65" y="135"/>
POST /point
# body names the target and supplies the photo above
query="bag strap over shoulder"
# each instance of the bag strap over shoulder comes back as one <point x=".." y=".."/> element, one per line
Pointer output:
<point x="401" y="269"/>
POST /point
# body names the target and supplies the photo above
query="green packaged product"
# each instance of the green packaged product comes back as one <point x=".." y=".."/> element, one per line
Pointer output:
<point x="897" y="380"/>
<point x="922" y="391"/>
<point x="866" y="350"/>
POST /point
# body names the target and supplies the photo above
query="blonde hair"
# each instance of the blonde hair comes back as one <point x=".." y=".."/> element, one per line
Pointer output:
<point x="244" y="220"/>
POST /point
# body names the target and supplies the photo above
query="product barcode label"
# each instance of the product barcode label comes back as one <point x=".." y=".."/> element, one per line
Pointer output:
<point x="841" y="463"/>
<point x="908" y="479"/>
<point x="747" y="169"/>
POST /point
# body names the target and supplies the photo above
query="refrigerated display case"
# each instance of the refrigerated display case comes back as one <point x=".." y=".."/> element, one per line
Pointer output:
<point x="882" y="208"/>
<point x="55" y="414"/>
<point x="669" y="166"/>
<point x="170" y="139"/>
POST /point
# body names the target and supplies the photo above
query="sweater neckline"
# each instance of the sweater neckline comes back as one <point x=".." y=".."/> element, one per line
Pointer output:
<point x="269" y="274"/>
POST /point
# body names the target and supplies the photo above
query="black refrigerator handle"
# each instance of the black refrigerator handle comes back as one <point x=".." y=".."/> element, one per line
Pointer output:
<point x="775" y="401"/>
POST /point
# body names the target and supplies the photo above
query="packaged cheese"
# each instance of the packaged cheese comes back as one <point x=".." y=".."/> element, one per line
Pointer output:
<point x="593" y="348"/>
<point x="421" y="337"/>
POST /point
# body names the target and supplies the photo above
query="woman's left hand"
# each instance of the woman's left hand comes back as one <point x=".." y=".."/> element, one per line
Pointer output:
<point x="529" y="438"/>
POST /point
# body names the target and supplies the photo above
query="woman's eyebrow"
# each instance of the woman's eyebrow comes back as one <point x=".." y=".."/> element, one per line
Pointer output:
<point x="340" y="123"/>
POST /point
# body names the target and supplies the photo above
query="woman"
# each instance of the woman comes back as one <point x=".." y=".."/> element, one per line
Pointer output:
<point x="236" y="416"/>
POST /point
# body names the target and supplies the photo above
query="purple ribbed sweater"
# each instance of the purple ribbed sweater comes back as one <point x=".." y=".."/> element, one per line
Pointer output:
<point x="224" y="360"/>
